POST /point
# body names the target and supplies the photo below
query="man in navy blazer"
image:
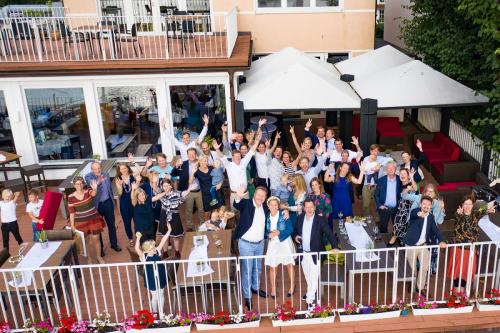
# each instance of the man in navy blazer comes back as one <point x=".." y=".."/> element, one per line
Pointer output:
<point x="387" y="195"/>
<point x="422" y="229"/>
<point x="309" y="231"/>
<point x="250" y="233"/>
<point x="103" y="201"/>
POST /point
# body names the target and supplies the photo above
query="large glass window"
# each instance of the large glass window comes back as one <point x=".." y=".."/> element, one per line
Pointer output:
<point x="190" y="103"/>
<point x="6" y="141"/>
<point x="130" y="119"/>
<point x="59" y="121"/>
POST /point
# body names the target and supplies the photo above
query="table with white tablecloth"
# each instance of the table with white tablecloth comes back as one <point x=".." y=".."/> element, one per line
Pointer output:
<point x="53" y="146"/>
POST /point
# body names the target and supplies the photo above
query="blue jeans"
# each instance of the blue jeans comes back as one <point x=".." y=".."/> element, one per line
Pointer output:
<point x="250" y="267"/>
<point x="213" y="192"/>
<point x="33" y="225"/>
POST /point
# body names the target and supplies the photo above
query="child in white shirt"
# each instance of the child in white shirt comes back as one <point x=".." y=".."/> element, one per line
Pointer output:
<point x="33" y="210"/>
<point x="8" y="216"/>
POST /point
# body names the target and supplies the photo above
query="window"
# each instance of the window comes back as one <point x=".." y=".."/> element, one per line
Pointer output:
<point x="190" y="103"/>
<point x="130" y="120"/>
<point x="6" y="141"/>
<point x="269" y="3"/>
<point x="59" y="121"/>
<point x="380" y="16"/>
<point x="297" y="3"/>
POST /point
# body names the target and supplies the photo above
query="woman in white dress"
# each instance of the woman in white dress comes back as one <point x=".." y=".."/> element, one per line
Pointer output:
<point x="280" y="248"/>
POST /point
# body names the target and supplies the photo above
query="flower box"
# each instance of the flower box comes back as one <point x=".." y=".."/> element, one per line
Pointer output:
<point x="304" y="321"/>
<point x="367" y="316"/>
<point x="174" y="329"/>
<point x="441" y="309"/>
<point x="483" y="305"/>
<point x="209" y="327"/>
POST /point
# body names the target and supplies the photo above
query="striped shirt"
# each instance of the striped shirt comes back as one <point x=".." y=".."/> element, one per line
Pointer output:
<point x="289" y="170"/>
<point x="84" y="209"/>
<point x="170" y="203"/>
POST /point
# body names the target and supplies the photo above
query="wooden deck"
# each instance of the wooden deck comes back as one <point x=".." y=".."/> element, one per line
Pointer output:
<point x="211" y="54"/>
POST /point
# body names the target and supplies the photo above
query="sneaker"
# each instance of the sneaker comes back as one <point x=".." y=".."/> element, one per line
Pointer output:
<point x="213" y="202"/>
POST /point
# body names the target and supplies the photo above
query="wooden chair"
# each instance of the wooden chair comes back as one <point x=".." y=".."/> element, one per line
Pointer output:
<point x="34" y="170"/>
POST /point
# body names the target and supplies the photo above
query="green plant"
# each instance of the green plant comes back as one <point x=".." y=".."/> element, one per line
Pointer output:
<point x="42" y="236"/>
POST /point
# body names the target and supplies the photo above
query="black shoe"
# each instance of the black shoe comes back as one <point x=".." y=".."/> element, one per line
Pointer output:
<point x="290" y="294"/>
<point x="304" y="297"/>
<point x="116" y="248"/>
<point x="102" y="253"/>
<point x="247" y="304"/>
<point x="262" y="293"/>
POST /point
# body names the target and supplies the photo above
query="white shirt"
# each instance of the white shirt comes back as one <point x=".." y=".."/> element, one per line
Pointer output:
<point x="183" y="148"/>
<point x="256" y="232"/>
<point x="276" y="170"/>
<point x="262" y="161"/>
<point x="335" y="156"/>
<point x="422" y="239"/>
<point x="274" y="223"/>
<point x="196" y="183"/>
<point x="34" y="208"/>
<point x="237" y="174"/>
<point x="8" y="211"/>
<point x="306" y="233"/>
<point x="370" y="167"/>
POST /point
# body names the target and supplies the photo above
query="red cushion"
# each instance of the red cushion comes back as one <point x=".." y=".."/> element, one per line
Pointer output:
<point x="391" y="132"/>
<point x="438" y="166"/>
<point x="439" y="138"/>
<point x="436" y="143"/>
<point x="387" y="122"/>
<point x="430" y="146"/>
<point x="453" y="186"/>
<point x="48" y="212"/>
<point x="451" y="150"/>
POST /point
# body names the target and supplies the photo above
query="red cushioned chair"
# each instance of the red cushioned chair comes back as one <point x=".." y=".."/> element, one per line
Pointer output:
<point x="389" y="132"/>
<point x="48" y="212"/>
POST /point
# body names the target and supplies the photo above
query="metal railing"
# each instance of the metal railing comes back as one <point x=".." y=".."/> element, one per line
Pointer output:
<point x="467" y="141"/>
<point x="104" y="38"/>
<point x="381" y="276"/>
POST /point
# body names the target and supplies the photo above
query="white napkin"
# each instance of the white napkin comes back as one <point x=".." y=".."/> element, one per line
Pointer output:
<point x="2" y="157"/>
<point x="199" y="254"/>
<point x="490" y="229"/>
<point x="360" y="240"/>
<point x="35" y="257"/>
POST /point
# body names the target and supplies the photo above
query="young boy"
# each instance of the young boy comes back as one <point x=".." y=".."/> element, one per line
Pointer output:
<point x="8" y="216"/>
<point x="283" y="190"/>
<point x="33" y="210"/>
<point x="217" y="174"/>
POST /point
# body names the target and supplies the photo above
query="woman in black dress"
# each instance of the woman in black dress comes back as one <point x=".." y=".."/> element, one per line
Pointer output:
<point x="401" y="220"/>
<point x="202" y="174"/>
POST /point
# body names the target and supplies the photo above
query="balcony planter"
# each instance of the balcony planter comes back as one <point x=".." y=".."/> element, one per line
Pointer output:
<point x="304" y="321"/>
<point x="210" y="327"/>
<point x="344" y="318"/>
<point x="440" y="309"/>
<point x="486" y="306"/>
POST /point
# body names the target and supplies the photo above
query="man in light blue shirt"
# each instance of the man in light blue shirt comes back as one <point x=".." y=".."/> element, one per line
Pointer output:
<point x="387" y="195"/>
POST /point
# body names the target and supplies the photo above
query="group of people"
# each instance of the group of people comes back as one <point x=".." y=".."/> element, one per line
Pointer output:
<point x="291" y="201"/>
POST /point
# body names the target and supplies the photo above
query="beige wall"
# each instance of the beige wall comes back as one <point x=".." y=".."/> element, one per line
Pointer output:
<point x="350" y="30"/>
<point x="80" y="6"/>
<point x="393" y="14"/>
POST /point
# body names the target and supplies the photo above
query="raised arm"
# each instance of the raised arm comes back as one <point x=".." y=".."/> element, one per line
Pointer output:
<point x="294" y="139"/>
<point x="16" y="196"/>
<point x="171" y="136"/>
<point x="137" y="246"/>
<point x="217" y="149"/>
<point x="164" y="239"/>
<point x="275" y="143"/>
<point x="359" y="179"/>
<point x="204" y="131"/>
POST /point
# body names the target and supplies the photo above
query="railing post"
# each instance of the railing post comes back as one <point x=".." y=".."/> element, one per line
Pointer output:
<point x="395" y="276"/>
<point x="238" y="286"/>
<point x="74" y="289"/>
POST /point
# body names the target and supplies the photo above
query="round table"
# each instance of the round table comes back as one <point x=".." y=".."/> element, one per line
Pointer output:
<point x="270" y="119"/>
<point x="267" y="130"/>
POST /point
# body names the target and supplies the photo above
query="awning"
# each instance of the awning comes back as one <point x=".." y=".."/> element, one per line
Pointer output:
<point x="290" y="79"/>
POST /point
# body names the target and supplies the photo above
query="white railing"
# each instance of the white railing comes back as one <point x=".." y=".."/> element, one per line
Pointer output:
<point x="232" y="30"/>
<point x="104" y="38"/>
<point x="383" y="276"/>
<point x="467" y="141"/>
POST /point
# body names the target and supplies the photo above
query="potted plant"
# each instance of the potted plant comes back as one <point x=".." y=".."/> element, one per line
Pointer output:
<point x="31" y="326"/>
<point x="355" y="312"/>
<point x="42" y="239"/>
<point x="4" y="327"/>
<point x="144" y="321"/>
<point x="286" y="315"/>
<point x="101" y="323"/>
<point x="223" y="320"/>
<point x="491" y="302"/>
<point x="403" y="307"/>
<point x="454" y="303"/>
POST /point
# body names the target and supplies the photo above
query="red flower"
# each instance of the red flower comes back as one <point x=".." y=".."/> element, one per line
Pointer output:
<point x="66" y="322"/>
<point x="143" y="319"/>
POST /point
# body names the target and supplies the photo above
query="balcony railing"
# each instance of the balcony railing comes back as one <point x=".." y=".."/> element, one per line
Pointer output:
<point x="380" y="275"/>
<point x="108" y="38"/>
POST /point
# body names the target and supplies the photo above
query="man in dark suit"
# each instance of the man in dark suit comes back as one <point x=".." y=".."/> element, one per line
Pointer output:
<point x="422" y="230"/>
<point x="309" y="231"/>
<point x="103" y="201"/>
<point x="250" y="233"/>
<point x="194" y="197"/>
<point x="387" y="195"/>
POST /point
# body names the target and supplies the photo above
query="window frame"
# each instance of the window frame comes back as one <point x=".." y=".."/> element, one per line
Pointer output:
<point x="312" y="8"/>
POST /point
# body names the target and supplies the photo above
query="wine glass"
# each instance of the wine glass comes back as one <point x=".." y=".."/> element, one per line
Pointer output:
<point x="376" y="231"/>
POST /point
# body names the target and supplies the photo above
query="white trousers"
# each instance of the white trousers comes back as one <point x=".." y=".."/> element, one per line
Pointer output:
<point x="157" y="298"/>
<point x="310" y="270"/>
